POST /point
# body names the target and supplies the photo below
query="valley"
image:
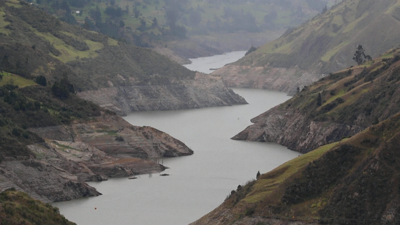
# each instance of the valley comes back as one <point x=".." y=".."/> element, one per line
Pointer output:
<point x="322" y="150"/>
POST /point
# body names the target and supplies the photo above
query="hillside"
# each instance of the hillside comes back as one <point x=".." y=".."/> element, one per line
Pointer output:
<point x="354" y="181"/>
<point x="52" y="142"/>
<point x="191" y="28"/>
<point x="318" y="47"/>
<point x="19" y="208"/>
<point x="33" y="43"/>
<point x="337" y="106"/>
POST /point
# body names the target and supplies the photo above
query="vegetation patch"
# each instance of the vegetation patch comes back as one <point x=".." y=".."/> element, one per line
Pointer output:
<point x="12" y="79"/>
<point x="19" y="208"/>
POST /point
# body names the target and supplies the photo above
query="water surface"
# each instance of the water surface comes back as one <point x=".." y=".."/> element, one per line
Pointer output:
<point x="198" y="183"/>
<point x="209" y="64"/>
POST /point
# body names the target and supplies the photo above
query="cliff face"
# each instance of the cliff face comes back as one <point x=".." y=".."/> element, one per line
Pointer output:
<point x="204" y="91"/>
<point x="105" y="147"/>
<point x="295" y="130"/>
<point x="338" y="106"/>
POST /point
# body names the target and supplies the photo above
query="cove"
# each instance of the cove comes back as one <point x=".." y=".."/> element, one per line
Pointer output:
<point x="198" y="183"/>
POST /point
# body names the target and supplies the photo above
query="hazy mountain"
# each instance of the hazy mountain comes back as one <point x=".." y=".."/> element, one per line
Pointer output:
<point x="322" y="45"/>
<point x="205" y="27"/>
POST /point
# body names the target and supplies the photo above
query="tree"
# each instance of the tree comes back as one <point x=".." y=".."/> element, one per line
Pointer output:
<point x="121" y="24"/>
<point x="324" y="10"/>
<point x="155" y="23"/>
<point x="252" y="49"/>
<point x="360" y="57"/>
<point x="63" y="88"/>
<point x="319" y="100"/>
<point x="41" y="80"/>
<point x="258" y="175"/>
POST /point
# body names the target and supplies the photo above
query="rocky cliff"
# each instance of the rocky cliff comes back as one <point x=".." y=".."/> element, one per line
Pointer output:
<point x="338" y="106"/>
<point x="204" y="91"/>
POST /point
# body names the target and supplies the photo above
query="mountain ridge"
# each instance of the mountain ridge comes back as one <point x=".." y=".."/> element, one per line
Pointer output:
<point x="320" y="46"/>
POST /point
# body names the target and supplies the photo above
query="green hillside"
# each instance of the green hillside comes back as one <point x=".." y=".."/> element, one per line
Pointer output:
<point x="19" y="208"/>
<point x="368" y="91"/>
<point x="354" y="181"/>
<point x="33" y="43"/>
<point x="327" y="42"/>
<point x="157" y="22"/>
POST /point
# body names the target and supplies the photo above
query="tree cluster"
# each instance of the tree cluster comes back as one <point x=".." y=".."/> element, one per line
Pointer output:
<point x="360" y="57"/>
<point x="62" y="89"/>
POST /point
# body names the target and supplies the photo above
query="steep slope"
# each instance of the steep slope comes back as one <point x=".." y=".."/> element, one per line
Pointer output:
<point x="52" y="144"/>
<point x="322" y="45"/>
<point x="19" y="208"/>
<point x="33" y="43"/>
<point x="339" y="105"/>
<point x="355" y="181"/>
<point x="191" y="28"/>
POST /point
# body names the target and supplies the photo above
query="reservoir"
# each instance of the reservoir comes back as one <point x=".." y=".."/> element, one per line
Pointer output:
<point x="197" y="184"/>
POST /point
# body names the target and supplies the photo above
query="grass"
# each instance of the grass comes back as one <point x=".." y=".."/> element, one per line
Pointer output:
<point x="68" y="53"/>
<point x="328" y="55"/>
<point x="111" y="42"/>
<point x="269" y="182"/>
<point x="3" y="23"/>
<point x="13" y="3"/>
<point x="20" y="208"/>
<point x="21" y="82"/>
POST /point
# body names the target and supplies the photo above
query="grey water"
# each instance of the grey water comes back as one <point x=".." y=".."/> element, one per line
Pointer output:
<point x="209" y="64"/>
<point x="197" y="184"/>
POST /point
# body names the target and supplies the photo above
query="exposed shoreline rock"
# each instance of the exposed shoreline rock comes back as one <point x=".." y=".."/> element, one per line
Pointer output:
<point x="96" y="150"/>
<point x="204" y="91"/>
<point x="266" y="77"/>
<point x="294" y="130"/>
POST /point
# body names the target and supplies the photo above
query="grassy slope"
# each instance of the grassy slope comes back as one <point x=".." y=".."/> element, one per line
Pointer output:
<point x="34" y="43"/>
<point x="19" y="208"/>
<point x="210" y="12"/>
<point x="312" y="187"/>
<point x="347" y="182"/>
<point x="355" y="96"/>
<point x="327" y="42"/>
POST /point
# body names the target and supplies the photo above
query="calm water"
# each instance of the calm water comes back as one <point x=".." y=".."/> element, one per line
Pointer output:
<point x="206" y="64"/>
<point x="198" y="183"/>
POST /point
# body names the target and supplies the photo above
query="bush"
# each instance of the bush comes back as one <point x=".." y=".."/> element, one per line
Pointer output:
<point x="41" y="80"/>
<point x="16" y="132"/>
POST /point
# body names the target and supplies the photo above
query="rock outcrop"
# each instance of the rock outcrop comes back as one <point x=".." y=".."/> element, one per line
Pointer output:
<point x="204" y="91"/>
<point x="335" y="107"/>
<point x="105" y="147"/>
<point x="295" y="130"/>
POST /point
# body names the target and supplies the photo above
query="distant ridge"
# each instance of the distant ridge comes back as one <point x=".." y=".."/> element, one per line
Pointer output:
<point x="320" y="46"/>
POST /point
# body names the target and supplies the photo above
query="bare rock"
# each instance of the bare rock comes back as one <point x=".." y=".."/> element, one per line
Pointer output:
<point x="295" y="131"/>
<point x="204" y="91"/>
<point x="267" y="77"/>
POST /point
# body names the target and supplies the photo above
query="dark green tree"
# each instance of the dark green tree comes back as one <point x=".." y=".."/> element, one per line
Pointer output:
<point x="155" y="23"/>
<point x="41" y="80"/>
<point x="319" y="100"/>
